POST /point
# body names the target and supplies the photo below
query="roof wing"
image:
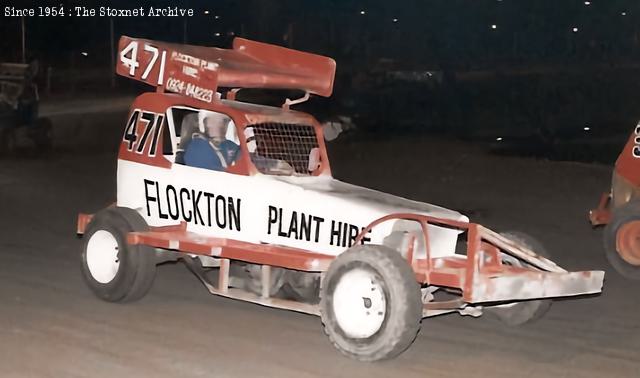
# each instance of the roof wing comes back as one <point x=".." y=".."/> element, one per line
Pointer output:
<point x="196" y="71"/>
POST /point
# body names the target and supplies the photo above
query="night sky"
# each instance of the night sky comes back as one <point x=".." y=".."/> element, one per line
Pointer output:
<point x="544" y="69"/>
<point x="456" y="34"/>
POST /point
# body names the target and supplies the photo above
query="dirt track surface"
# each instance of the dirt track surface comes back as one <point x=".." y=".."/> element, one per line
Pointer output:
<point x="52" y="326"/>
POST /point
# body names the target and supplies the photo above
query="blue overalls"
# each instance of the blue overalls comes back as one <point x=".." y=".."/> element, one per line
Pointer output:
<point x="201" y="153"/>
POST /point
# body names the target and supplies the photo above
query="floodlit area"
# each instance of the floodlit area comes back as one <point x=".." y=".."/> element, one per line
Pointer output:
<point x="274" y="188"/>
<point x="179" y="329"/>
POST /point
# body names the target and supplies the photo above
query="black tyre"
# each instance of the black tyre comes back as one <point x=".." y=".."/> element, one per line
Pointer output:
<point x="519" y="313"/>
<point x="7" y="141"/>
<point x="370" y="303"/>
<point x="622" y="240"/>
<point x="114" y="270"/>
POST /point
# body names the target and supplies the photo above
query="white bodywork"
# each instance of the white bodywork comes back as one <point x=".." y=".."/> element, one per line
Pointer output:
<point x="318" y="214"/>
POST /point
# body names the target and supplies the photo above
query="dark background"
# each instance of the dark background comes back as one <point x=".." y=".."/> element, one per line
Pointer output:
<point x="554" y="79"/>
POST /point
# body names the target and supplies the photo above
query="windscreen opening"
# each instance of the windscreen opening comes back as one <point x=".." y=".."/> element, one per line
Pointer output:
<point x="282" y="148"/>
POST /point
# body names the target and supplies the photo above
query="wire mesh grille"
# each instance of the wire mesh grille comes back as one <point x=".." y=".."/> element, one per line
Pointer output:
<point x="282" y="142"/>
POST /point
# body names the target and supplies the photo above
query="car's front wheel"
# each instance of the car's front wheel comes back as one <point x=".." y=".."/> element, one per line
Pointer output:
<point x="370" y="303"/>
<point x="622" y="240"/>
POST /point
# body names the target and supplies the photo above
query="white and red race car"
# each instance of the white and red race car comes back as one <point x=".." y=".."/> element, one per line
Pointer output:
<point x="267" y="223"/>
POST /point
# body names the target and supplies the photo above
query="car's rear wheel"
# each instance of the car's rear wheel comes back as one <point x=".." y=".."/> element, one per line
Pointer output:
<point x="519" y="313"/>
<point x="114" y="270"/>
<point x="622" y="240"/>
<point x="370" y="303"/>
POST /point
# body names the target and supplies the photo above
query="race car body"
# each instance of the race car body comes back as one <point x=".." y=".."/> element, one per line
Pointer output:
<point x="619" y="211"/>
<point x="245" y="191"/>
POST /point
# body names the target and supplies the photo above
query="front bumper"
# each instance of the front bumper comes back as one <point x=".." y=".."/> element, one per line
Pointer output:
<point x="530" y="284"/>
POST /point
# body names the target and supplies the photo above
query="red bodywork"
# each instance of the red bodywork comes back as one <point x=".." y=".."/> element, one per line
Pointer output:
<point x="249" y="64"/>
<point x="628" y="163"/>
<point x="242" y="115"/>
<point x="625" y="183"/>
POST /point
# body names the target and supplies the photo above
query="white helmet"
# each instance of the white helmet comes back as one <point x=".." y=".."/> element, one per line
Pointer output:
<point x="204" y="114"/>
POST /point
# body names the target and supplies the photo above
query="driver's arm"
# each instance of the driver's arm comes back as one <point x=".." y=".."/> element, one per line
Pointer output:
<point x="232" y="152"/>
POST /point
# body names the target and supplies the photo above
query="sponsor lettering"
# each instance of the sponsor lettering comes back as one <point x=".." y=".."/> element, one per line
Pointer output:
<point x="189" y="89"/>
<point x="192" y="206"/>
<point x="303" y="226"/>
<point x="300" y="226"/>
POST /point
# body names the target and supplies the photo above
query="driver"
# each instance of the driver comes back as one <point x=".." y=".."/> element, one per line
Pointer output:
<point x="209" y="148"/>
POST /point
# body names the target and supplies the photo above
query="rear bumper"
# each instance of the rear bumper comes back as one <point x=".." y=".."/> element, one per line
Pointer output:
<point x="536" y="285"/>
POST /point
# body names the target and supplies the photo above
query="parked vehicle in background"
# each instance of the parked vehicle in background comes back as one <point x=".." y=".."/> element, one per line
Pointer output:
<point x="19" y="100"/>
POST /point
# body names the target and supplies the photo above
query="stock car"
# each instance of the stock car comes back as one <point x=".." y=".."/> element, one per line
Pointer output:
<point x="273" y="227"/>
<point x="619" y="211"/>
<point x="19" y="101"/>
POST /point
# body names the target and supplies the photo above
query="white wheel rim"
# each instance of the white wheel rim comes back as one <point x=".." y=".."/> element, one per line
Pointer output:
<point x="102" y="256"/>
<point x="359" y="304"/>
